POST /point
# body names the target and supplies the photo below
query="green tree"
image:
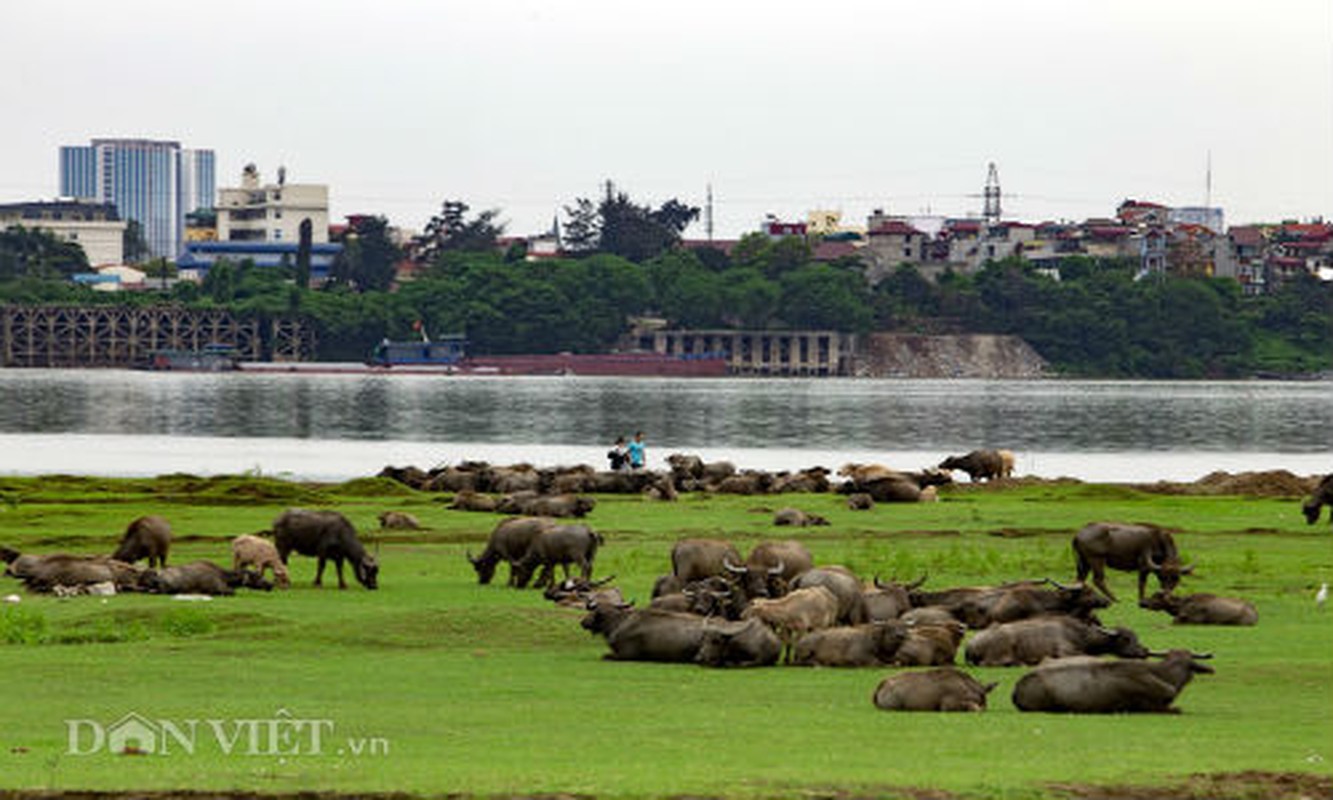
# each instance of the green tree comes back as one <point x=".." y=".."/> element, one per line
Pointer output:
<point x="37" y="253"/>
<point x="820" y="296"/>
<point x="132" y="242"/>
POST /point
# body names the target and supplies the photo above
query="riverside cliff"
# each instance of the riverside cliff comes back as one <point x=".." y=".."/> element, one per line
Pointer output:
<point x="905" y="355"/>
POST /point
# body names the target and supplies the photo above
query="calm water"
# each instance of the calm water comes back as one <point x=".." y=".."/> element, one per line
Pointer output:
<point x="341" y="426"/>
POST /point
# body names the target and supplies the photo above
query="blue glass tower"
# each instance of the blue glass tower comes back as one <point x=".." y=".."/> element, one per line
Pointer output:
<point x="155" y="183"/>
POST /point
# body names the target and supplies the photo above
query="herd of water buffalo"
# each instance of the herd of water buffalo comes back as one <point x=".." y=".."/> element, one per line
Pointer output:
<point x="718" y="608"/>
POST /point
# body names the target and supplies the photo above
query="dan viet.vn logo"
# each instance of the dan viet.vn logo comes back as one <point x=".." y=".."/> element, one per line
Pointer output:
<point x="283" y="734"/>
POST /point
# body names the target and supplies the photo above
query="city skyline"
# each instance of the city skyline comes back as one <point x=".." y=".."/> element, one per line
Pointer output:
<point x="782" y="108"/>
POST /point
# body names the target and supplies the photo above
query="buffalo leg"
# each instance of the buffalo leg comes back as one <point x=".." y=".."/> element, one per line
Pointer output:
<point x="338" y="563"/>
<point x="1099" y="580"/>
<point x="319" y="572"/>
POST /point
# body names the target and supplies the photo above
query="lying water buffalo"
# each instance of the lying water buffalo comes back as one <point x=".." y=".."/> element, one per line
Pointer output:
<point x="146" y="537"/>
<point x="869" y="645"/>
<point x="1133" y="548"/>
<point x="1028" y="641"/>
<point x="43" y="573"/>
<point x="888" y="600"/>
<point x="982" y="464"/>
<point x="738" y="644"/>
<point x="1088" y="685"/>
<point x="509" y="542"/>
<point x="557" y="545"/>
<point x="1203" y="609"/>
<point x="645" y="634"/>
<point x="1025" y="601"/>
<point x="942" y="689"/>
<point x="798" y="613"/>
<point x="696" y="559"/>
<point x="1323" y="496"/>
<point x="930" y="645"/>
<point x="844" y="586"/>
<point x="201" y="577"/>
<point x="328" y="536"/>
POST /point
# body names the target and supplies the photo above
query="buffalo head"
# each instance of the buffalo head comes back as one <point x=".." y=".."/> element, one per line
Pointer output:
<point x="367" y="571"/>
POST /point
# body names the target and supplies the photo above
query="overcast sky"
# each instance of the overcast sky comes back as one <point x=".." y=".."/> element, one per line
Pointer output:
<point x="783" y="107"/>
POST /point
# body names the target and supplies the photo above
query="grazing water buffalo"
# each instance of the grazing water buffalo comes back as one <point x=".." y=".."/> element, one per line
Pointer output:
<point x="942" y="689"/>
<point x="146" y="537"/>
<point x="770" y="568"/>
<point x="558" y="545"/>
<point x="1323" y="496"/>
<point x="1028" y="641"/>
<point x="869" y="645"/>
<point x="509" y="542"/>
<point x="1133" y="548"/>
<point x="645" y="634"/>
<point x="1087" y="685"/>
<point x="982" y="464"/>
<point x="696" y="559"/>
<point x="200" y="577"/>
<point x="750" y="643"/>
<point x="1203" y="609"/>
<point x="328" y="536"/>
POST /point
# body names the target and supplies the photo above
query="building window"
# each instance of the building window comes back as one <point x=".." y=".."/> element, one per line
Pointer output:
<point x="277" y="213"/>
<point x="277" y="234"/>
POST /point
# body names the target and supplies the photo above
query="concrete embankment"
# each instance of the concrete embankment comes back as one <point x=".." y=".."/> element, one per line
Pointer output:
<point x="905" y="355"/>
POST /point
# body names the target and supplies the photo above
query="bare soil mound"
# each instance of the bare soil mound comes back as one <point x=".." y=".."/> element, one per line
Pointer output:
<point x="1272" y="483"/>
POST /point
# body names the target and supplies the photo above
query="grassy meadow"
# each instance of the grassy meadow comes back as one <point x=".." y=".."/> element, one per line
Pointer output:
<point x="436" y="685"/>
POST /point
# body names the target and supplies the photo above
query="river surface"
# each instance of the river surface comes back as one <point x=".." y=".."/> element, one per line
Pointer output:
<point x="336" y="427"/>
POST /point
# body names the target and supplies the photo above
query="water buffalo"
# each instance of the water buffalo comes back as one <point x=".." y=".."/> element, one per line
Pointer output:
<point x="558" y="545"/>
<point x="982" y="464"/>
<point x="469" y="500"/>
<point x="509" y="542"/>
<point x="971" y="604"/>
<point x="546" y="505"/>
<point x="930" y="645"/>
<point x="579" y="591"/>
<point x="1088" y="685"/>
<point x="328" y="536"/>
<point x="738" y="644"/>
<point x="885" y="601"/>
<point x="795" y="517"/>
<point x="1203" y="609"/>
<point x="869" y="645"/>
<point x="1028" y="641"/>
<point x="399" y="520"/>
<point x="798" y="613"/>
<point x="844" y="586"/>
<point x="696" y="559"/>
<point x="1323" y="496"/>
<point x="645" y="634"/>
<point x="146" y="537"/>
<point x="942" y="689"/>
<point x="1024" y="601"/>
<point x="770" y="568"/>
<point x="200" y="577"/>
<point x="43" y="573"/>
<point x="1142" y="548"/>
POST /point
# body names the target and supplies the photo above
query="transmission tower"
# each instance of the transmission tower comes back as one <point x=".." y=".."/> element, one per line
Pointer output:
<point x="708" y="213"/>
<point x="992" y="196"/>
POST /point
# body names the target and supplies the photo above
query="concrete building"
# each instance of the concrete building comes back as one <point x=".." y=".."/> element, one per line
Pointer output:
<point x="272" y="212"/>
<point x="96" y="227"/>
<point x="155" y="183"/>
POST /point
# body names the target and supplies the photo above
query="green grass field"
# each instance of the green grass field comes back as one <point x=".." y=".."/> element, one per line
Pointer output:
<point x="435" y="685"/>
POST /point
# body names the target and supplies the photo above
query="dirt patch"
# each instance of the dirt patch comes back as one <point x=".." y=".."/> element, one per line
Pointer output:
<point x="1232" y="785"/>
<point x="1271" y="483"/>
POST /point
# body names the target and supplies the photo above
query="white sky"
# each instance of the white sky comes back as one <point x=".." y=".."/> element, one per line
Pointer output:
<point x="783" y="107"/>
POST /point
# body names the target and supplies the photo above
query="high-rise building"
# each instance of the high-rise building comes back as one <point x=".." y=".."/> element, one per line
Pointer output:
<point x="155" y="183"/>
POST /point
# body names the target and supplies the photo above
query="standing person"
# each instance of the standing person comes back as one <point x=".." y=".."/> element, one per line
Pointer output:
<point x="635" y="450"/>
<point x="618" y="455"/>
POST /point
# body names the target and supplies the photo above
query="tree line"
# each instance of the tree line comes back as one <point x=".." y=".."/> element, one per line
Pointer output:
<point x="1095" y="318"/>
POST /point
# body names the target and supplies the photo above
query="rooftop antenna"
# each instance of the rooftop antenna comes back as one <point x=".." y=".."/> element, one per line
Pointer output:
<point x="1208" y="183"/>
<point x="708" y="213"/>
<point x="991" y="194"/>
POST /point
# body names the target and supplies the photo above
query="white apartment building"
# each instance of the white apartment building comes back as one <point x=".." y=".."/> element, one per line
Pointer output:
<point x="96" y="227"/>
<point x="272" y="212"/>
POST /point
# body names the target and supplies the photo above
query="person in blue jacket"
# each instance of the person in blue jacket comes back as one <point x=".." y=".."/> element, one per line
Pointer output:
<point x="637" y="458"/>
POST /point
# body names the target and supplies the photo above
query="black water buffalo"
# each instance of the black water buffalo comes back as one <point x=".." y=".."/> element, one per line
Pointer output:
<point x="696" y="559"/>
<point x="43" y="573"/>
<point x="201" y="577"/>
<point x="1028" y="641"/>
<point x="645" y="634"/>
<point x="328" y="536"/>
<point x="972" y="605"/>
<point x="750" y="643"/>
<point x="558" y="545"/>
<point x="146" y="537"/>
<point x="844" y="586"/>
<point x="1022" y="602"/>
<point x="1138" y="548"/>
<point x="1088" y="685"/>
<point x="547" y="505"/>
<point x="942" y="689"/>
<point x="770" y="568"/>
<point x="869" y="645"/>
<point x="509" y="542"/>
<point x="795" y="517"/>
<point x="1203" y="609"/>
<point x="982" y="464"/>
<point x="1323" y="496"/>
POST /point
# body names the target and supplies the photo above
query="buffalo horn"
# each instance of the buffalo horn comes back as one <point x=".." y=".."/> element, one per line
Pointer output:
<point x="1201" y="656"/>
<point x="878" y="583"/>
<point x="726" y="562"/>
<point x="1058" y="585"/>
<point x="470" y="558"/>
<point x="911" y="587"/>
<point x="1188" y="569"/>
<point x="778" y="569"/>
<point x="602" y="582"/>
<point x="1152" y="564"/>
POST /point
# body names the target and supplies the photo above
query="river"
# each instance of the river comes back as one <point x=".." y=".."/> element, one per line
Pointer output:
<point x="335" y="427"/>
